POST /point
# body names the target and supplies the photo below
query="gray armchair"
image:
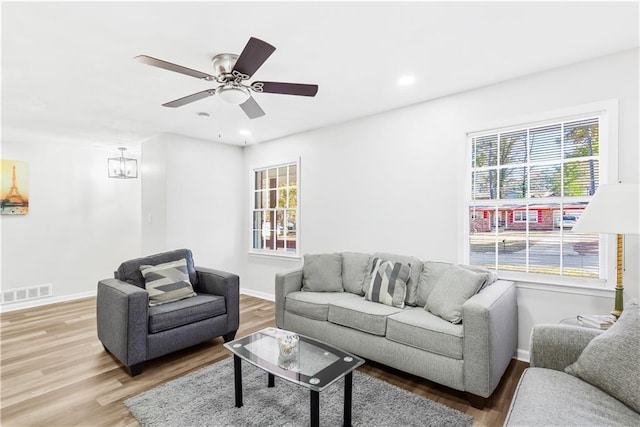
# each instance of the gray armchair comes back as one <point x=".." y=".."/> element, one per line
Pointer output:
<point x="134" y="332"/>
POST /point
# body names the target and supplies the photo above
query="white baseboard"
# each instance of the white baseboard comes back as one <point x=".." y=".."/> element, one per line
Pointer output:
<point x="5" y="308"/>
<point x="522" y="355"/>
<point x="258" y="294"/>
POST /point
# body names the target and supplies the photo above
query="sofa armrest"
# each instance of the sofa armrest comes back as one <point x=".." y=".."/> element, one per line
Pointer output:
<point x="121" y="315"/>
<point x="286" y="282"/>
<point x="558" y="346"/>
<point x="225" y="284"/>
<point x="490" y="320"/>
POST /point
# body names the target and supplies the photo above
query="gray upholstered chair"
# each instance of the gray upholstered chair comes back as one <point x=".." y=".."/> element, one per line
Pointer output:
<point x="134" y="332"/>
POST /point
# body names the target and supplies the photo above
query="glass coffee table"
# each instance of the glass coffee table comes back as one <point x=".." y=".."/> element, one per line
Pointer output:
<point x="302" y="360"/>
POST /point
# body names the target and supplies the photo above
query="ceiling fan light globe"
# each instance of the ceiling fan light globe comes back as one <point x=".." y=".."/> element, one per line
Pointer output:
<point x="235" y="95"/>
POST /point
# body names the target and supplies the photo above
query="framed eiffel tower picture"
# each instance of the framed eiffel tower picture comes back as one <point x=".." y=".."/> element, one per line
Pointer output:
<point x="14" y="187"/>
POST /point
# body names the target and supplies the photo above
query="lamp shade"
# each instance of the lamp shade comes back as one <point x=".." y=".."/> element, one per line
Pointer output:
<point x="612" y="210"/>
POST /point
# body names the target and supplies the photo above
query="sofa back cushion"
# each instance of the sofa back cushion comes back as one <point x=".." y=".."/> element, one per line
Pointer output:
<point x="129" y="271"/>
<point x="416" y="267"/>
<point x="432" y="272"/>
<point x="452" y="289"/>
<point x="322" y="273"/>
<point x="354" y="272"/>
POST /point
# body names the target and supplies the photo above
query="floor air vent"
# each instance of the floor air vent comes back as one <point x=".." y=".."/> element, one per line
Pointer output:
<point x="24" y="294"/>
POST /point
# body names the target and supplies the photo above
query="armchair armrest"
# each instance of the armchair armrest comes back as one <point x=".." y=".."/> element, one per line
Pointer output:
<point x="490" y="320"/>
<point x="286" y="282"/>
<point x="558" y="346"/>
<point x="225" y="284"/>
<point x="121" y="314"/>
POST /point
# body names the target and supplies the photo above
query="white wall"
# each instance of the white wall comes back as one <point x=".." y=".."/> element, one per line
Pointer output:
<point x="191" y="193"/>
<point x="80" y="225"/>
<point x="394" y="181"/>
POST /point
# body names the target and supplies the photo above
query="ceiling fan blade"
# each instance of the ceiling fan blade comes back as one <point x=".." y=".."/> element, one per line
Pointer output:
<point x="251" y="108"/>
<point x="173" y="67"/>
<point x="190" y="98"/>
<point x="289" y="88"/>
<point x="253" y="56"/>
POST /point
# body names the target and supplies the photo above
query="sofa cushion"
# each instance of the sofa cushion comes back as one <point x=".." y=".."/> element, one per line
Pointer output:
<point x="360" y="314"/>
<point x="416" y="267"/>
<point x="186" y="311"/>
<point x="167" y="282"/>
<point x="315" y="305"/>
<point x="610" y="361"/>
<point x="433" y="270"/>
<point x="451" y="290"/>
<point x="420" y="329"/>
<point x="388" y="282"/>
<point x="546" y="397"/>
<point x="129" y="271"/>
<point x="322" y="273"/>
<point x="354" y="271"/>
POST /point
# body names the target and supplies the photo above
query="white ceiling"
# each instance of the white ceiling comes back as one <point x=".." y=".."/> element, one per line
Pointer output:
<point x="68" y="68"/>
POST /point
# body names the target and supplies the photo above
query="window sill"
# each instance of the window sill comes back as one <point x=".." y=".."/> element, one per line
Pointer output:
<point x="275" y="255"/>
<point x="565" y="285"/>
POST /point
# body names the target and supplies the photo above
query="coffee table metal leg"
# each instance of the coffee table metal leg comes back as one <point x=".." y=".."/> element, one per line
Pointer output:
<point x="315" y="408"/>
<point x="270" y="380"/>
<point x="348" y="387"/>
<point x="237" y="376"/>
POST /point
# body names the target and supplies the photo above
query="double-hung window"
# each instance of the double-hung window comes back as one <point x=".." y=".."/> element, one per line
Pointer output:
<point x="528" y="185"/>
<point x="275" y="209"/>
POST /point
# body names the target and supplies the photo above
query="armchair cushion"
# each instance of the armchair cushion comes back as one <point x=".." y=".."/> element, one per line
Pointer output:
<point x="168" y="316"/>
<point x="167" y="282"/>
<point x="610" y="361"/>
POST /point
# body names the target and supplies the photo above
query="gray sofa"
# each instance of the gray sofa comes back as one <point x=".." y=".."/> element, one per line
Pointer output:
<point x="469" y="354"/>
<point x="134" y="331"/>
<point x="581" y="376"/>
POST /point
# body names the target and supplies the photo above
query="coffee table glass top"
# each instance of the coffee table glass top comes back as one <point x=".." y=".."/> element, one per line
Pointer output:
<point x="315" y="364"/>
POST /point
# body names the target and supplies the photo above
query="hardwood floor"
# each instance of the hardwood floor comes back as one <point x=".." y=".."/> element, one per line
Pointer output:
<point x="54" y="371"/>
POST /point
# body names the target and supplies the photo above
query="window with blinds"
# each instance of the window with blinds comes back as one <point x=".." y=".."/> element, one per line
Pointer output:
<point x="528" y="187"/>
<point x="275" y="209"/>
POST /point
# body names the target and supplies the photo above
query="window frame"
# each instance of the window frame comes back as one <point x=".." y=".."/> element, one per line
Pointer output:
<point x="607" y="112"/>
<point x="252" y="209"/>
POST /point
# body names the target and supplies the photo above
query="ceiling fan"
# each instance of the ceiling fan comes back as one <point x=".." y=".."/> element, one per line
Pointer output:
<point x="231" y="71"/>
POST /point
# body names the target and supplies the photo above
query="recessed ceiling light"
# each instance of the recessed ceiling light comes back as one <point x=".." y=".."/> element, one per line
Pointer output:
<point x="406" y="80"/>
<point x="244" y="132"/>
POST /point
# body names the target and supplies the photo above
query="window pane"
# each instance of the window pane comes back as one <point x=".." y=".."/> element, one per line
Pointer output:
<point x="581" y="255"/>
<point x="293" y="174"/>
<point x="291" y="222"/>
<point x="544" y="253"/>
<point x="484" y="185"/>
<point x="293" y="196"/>
<point x="512" y="251"/>
<point x="545" y="143"/>
<point x="272" y="177"/>
<point x="282" y="196"/>
<point x="513" y="183"/>
<point x="485" y="151"/>
<point x="513" y="147"/>
<point x="258" y="219"/>
<point x="581" y="178"/>
<point x="260" y="179"/>
<point x="581" y="138"/>
<point x="545" y="181"/>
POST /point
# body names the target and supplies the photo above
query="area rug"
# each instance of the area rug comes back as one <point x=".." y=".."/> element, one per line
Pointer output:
<point x="206" y="398"/>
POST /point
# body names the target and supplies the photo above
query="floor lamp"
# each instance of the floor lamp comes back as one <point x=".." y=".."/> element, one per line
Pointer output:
<point x="613" y="210"/>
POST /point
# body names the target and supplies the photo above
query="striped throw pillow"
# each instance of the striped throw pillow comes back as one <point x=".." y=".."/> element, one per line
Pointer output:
<point x="388" y="282"/>
<point x="167" y="282"/>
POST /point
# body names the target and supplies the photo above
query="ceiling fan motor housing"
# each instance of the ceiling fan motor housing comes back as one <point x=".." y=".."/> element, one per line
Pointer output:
<point x="223" y="64"/>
